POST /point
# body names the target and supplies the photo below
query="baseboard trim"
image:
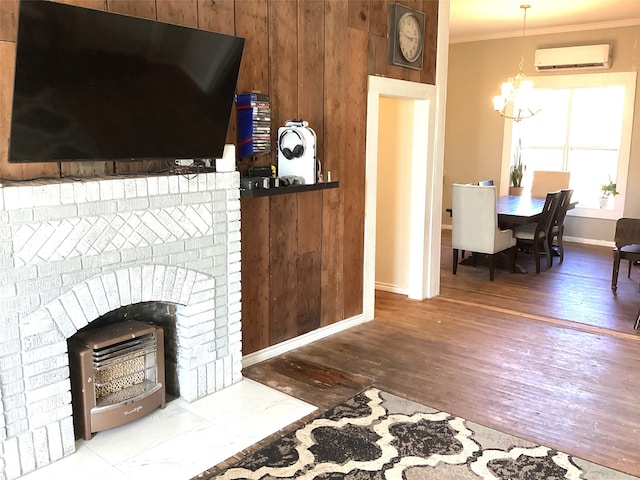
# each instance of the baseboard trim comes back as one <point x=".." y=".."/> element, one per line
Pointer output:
<point x="301" y="341"/>
<point x="387" y="287"/>
<point x="589" y="241"/>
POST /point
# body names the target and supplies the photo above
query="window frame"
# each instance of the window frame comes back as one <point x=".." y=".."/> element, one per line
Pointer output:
<point x="628" y="79"/>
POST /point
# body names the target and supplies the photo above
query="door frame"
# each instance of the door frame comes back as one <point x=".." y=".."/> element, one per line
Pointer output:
<point x="424" y="180"/>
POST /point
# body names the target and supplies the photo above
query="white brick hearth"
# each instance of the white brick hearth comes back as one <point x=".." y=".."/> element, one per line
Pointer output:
<point x="71" y="251"/>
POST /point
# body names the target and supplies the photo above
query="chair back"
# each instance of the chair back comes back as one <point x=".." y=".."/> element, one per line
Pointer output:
<point x="474" y="220"/>
<point x="563" y="206"/>
<point x="627" y="232"/>
<point x="545" y="220"/>
<point x="548" y="181"/>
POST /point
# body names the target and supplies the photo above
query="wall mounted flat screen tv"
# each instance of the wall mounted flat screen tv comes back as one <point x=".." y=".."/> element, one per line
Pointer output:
<point x="93" y="85"/>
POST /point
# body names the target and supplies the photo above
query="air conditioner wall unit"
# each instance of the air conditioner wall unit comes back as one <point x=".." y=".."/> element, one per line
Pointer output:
<point x="572" y="58"/>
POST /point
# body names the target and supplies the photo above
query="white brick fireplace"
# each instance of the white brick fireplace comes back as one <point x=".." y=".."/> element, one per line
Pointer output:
<point x="71" y="251"/>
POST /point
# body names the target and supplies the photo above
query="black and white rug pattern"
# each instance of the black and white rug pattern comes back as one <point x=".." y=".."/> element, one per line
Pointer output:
<point x="379" y="436"/>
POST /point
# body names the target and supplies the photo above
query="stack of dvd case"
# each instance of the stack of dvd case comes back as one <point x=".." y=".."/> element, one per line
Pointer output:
<point x="254" y="124"/>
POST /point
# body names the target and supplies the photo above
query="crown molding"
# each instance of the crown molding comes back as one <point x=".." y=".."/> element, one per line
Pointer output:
<point x="547" y="30"/>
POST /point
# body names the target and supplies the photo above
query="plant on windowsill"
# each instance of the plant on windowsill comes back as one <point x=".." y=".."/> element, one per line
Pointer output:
<point x="609" y="191"/>
<point x="517" y="172"/>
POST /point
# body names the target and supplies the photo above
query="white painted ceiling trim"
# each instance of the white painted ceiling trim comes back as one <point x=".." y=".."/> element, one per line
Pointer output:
<point x="549" y="30"/>
<point x="474" y="20"/>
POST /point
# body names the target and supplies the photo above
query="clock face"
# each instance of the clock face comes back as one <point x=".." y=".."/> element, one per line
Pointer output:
<point x="406" y="36"/>
<point x="409" y="37"/>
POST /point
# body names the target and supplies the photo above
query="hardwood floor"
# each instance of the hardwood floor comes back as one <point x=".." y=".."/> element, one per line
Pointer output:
<point x="552" y="357"/>
<point x="578" y="290"/>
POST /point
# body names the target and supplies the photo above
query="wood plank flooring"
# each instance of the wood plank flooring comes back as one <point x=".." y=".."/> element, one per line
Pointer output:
<point x="552" y="357"/>
<point x="578" y="290"/>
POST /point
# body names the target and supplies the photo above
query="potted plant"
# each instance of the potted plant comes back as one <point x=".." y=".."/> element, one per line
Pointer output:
<point x="517" y="172"/>
<point x="608" y="191"/>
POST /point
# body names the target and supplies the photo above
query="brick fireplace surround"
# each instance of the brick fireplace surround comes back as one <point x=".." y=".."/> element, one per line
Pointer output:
<point x="71" y="251"/>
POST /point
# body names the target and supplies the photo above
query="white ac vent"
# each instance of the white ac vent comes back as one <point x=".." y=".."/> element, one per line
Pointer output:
<point x="572" y="58"/>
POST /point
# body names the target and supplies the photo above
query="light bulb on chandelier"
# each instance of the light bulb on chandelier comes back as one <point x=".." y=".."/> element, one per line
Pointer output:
<point x="516" y="99"/>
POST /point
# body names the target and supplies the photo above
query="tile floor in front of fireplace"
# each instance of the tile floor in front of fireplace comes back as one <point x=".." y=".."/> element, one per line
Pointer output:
<point x="183" y="439"/>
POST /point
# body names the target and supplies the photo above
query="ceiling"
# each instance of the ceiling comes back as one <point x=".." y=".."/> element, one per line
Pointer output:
<point x="472" y="20"/>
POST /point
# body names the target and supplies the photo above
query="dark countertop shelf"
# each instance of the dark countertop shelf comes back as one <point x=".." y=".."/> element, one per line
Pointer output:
<point x="266" y="192"/>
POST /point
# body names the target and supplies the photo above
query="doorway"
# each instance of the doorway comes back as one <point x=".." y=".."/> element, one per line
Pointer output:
<point x="393" y="203"/>
<point x="422" y="182"/>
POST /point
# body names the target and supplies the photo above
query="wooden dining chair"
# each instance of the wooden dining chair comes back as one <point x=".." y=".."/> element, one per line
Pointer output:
<point x="534" y="236"/>
<point x="557" y="226"/>
<point x="475" y="226"/>
<point x="548" y="181"/>
<point x="627" y="240"/>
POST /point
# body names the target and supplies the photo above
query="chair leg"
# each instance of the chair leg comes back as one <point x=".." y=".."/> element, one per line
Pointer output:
<point x="637" y="325"/>
<point x="547" y="252"/>
<point x="455" y="260"/>
<point x="513" y="252"/>
<point x="629" y="272"/>
<point x="491" y="268"/>
<point x="536" y="254"/>
<point x="616" y="268"/>
<point x="560" y="244"/>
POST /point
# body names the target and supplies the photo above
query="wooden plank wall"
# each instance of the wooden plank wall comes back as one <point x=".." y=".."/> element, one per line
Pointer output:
<point x="302" y="254"/>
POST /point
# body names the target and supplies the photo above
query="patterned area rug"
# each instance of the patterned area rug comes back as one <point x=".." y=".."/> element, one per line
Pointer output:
<point x="379" y="436"/>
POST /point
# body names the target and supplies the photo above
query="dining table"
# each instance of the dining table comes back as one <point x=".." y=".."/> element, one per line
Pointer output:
<point x="515" y="210"/>
<point x="518" y="209"/>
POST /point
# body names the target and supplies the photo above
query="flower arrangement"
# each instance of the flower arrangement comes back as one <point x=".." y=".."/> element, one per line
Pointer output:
<point x="517" y="169"/>
<point x="609" y="189"/>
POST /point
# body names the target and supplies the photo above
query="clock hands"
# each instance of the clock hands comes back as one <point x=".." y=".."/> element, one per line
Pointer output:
<point x="410" y="37"/>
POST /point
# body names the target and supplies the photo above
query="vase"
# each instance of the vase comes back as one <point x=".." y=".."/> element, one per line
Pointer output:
<point x="516" y="191"/>
<point x="604" y="202"/>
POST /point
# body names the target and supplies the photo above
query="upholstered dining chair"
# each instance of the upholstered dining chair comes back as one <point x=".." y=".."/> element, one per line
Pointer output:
<point x="627" y="240"/>
<point x="475" y="226"/>
<point x="548" y="181"/>
<point x="535" y="236"/>
<point x="557" y="226"/>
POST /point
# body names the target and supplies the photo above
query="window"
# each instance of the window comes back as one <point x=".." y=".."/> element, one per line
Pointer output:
<point x="584" y="127"/>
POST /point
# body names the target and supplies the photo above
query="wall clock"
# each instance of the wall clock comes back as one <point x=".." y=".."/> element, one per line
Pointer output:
<point x="406" y="36"/>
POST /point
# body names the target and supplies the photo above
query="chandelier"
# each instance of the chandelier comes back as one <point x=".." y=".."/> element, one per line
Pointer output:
<point x="516" y="99"/>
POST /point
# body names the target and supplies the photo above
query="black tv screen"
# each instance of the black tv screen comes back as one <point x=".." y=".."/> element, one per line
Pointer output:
<point x="94" y="85"/>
